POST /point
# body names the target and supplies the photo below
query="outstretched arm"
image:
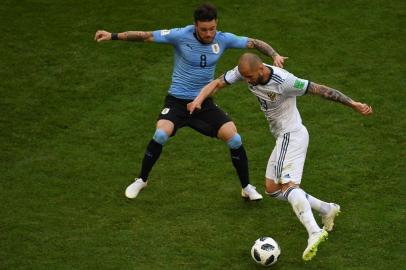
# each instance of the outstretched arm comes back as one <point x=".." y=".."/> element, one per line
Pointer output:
<point x="266" y="49"/>
<point x="102" y="35"/>
<point x="208" y="90"/>
<point x="335" y="95"/>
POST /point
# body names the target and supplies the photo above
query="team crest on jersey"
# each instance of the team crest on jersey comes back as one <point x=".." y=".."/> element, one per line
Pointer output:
<point x="165" y="32"/>
<point x="165" y="111"/>
<point x="216" y="48"/>
<point x="272" y="96"/>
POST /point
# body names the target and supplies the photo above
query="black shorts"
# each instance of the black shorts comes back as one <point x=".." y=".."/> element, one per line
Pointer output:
<point x="208" y="120"/>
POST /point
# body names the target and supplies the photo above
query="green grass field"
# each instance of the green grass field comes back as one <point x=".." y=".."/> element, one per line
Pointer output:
<point x="76" y="117"/>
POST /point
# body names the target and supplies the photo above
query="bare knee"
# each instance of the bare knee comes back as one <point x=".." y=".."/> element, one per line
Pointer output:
<point x="165" y="125"/>
<point x="287" y="185"/>
<point x="227" y="131"/>
<point x="271" y="186"/>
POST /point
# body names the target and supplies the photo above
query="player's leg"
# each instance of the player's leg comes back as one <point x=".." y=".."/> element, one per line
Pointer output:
<point x="164" y="129"/>
<point x="292" y="149"/>
<point x="210" y="120"/>
<point x="168" y="122"/>
<point x="327" y="211"/>
<point x="301" y="206"/>
<point x="275" y="189"/>
<point x="272" y="188"/>
<point x="228" y="133"/>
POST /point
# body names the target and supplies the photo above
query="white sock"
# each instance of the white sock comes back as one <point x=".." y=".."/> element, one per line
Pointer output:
<point x="302" y="209"/>
<point x="318" y="205"/>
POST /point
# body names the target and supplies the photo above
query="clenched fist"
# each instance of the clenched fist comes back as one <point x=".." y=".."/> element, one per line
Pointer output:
<point x="102" y="35"/>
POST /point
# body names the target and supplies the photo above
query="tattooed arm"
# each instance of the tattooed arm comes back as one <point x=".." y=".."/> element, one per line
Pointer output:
<point x="102" y="35"/>
<point x="266" y="49"/>
<point x="335" y="95"/>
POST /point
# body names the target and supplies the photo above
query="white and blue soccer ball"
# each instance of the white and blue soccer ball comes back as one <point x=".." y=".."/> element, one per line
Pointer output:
<point x="265" y="251"/>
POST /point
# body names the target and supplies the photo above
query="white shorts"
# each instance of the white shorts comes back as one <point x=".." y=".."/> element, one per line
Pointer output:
<point x="288" y="157"/>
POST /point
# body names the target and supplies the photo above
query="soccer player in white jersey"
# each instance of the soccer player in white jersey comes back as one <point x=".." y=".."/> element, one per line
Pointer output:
<point x="197" y="49"/>
<point x="276" y="90"/>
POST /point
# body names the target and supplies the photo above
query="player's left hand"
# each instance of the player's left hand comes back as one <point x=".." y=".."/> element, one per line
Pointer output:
<point x="362" y="108"/>
<point x="278" y="60"/>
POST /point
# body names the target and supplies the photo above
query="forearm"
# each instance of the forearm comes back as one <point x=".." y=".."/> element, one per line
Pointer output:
<point x="207" y="91"/>
<point x="135" y="36"/>
<point x="262" y="46"/>
<point x="329" y="93"/>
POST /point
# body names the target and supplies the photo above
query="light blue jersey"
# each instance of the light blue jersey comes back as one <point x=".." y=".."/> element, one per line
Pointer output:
<point x="194" y="61"/>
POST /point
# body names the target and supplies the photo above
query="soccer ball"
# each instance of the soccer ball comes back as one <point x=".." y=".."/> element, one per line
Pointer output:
<point x="265" y="251"/>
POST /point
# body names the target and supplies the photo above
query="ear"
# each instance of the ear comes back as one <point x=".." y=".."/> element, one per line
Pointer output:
<point x="261" y="69"/>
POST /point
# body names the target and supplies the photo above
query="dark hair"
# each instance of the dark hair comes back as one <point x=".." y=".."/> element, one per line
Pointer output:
<point x="205" y="13"/>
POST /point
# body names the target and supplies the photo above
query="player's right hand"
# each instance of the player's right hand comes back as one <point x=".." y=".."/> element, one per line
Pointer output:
<point x="102" y="35"/>
<point x="192" y="106"/>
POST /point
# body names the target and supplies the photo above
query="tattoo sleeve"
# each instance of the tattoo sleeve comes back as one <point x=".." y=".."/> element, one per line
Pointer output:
<point x="329" y="93"/>
<point x="137" y="36"/>
<point x="262" y="46"/>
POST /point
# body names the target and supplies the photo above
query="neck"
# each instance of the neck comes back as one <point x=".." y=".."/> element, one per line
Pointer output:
<point x="267" y="74"/>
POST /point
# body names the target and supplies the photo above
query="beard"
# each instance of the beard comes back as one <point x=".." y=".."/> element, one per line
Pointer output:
<point x="260" y="80"/>
<point x="205" y="41"/>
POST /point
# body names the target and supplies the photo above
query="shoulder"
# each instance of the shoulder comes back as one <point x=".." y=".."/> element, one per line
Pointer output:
<point x="227" y="35"/>
<point x="231" y="40"/>
<point x="186" y="30"/>
<point x="178" y="31"/>
<point x="278" y="74"/>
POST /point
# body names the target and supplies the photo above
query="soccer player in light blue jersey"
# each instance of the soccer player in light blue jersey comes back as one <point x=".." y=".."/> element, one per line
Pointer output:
<point x="197" y="50"/>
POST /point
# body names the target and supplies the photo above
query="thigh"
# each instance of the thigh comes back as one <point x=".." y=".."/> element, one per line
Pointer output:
<point x="209" y="119"/>
<point x="271" y="166"/>
<point x="291" y="156"/>
<point x="173" y="115"/>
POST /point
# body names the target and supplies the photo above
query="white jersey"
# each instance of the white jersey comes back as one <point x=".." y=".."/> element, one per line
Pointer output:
<point x="277" y="98"/>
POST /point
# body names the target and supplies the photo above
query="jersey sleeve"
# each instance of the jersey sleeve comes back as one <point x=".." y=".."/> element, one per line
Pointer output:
<point x="232" y="76"/>
<point x="235" y="42"/>
<point x="170" y="36"/>
<point x="294" y="86"/>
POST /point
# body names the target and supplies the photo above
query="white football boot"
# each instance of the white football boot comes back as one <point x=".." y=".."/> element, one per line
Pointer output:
<point x="250" y="193"/>
<point x="328" y="219"/>
<point x="132" y="190"/>
<point x="312" y="243"/>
